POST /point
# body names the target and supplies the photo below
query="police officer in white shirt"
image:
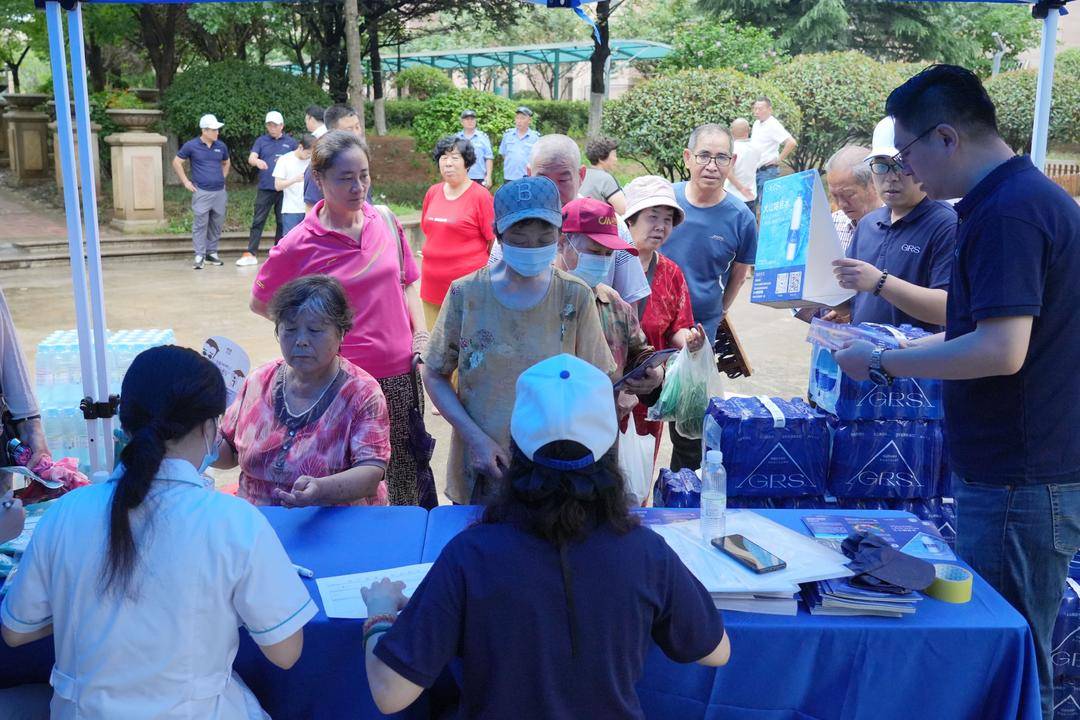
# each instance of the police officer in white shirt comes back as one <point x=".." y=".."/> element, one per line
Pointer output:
<point x="772" y="140"/>
<point x="143" y="581"/>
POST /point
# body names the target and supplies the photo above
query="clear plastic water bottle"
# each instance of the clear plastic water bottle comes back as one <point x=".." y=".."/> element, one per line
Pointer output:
<point x="713" y="495"/>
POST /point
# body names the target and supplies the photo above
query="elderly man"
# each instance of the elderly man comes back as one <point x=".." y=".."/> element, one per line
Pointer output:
<point x="901" y="256"/>
<point x="264" y="156"/>
<point x="851" y="186"/>
<point x="209" y="158"/>
<point x="742" y="180"/>
<point x="714" y="245"/>
<point x="517" y="144"/>
<point x="772" y="140"/>
<point x="481" y="170"/>
<point x="558" y="158"/>
<point x="1009" y="354"/>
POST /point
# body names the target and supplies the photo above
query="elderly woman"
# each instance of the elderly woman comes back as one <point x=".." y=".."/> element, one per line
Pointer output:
<point x="457" y="219"/>
<point x="364" y="248"/>
<point x="666" y="316"/>
<point x="497" y="322"/>
<point x="310" y="428"/>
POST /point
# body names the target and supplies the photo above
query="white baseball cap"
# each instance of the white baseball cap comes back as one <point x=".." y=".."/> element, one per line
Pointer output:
<point x="274" y="117"/>
<point x="883" y="143"/>
<point x="564" y="398"/>
<point x="210" y="122"/>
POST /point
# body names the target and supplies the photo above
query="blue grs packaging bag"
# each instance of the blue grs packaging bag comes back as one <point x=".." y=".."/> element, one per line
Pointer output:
<point x="887" y="459"/>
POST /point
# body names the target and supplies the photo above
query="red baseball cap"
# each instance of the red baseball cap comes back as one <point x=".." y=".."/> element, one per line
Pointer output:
<point x="596" y="220"/>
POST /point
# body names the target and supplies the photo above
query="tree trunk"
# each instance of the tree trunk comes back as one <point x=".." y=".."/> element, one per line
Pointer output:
<point x="355" y="58"/>
<point x="598" y="68"/>
<point x="14" y="69"/>
<point x="159" y="26"/>
<point x="376" y="76"/>
<point x="96" y="65"/>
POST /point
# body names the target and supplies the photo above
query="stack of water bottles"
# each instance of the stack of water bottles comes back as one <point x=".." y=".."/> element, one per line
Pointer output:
<point x="59" y="387"/>
<point x="1065" y="649"/>
<point x="888" y="442"/>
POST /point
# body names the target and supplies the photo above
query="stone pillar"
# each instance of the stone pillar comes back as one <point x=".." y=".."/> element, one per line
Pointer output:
<point x="27" y="139"/>
<point x="138" y="192"/>
<point x="3" y="133"/>
<point x="95" y="129"/>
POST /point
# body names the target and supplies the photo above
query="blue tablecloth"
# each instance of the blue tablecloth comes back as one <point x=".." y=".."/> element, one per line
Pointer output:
<point x="954" y="662"/>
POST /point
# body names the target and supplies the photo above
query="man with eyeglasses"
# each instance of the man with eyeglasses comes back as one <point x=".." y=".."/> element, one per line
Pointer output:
<point x="1010" y="352"/>
<point x="714" y="245"/>
<point x="900" y="258"/>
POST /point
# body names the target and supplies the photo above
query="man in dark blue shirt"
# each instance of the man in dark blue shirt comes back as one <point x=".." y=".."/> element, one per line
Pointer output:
<point x="209" y="158"/>
<point x="264" y="155"/>
<point x="901" y="255"/>
<point x="1010" y="353"/>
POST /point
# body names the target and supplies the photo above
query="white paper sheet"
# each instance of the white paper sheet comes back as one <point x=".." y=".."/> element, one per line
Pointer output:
<point x="341" y="594"/>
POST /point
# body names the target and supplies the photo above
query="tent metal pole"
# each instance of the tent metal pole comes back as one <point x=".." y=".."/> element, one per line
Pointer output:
<point x="66" y="151"/>
<point x="1044" y="90"/>
<point x="87" y="161"/>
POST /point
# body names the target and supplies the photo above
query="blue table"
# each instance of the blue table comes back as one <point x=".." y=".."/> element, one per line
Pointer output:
<point x="952" y="662"/>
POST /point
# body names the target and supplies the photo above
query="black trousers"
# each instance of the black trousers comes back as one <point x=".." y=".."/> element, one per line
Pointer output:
<point x="264" y="200"/>
<point x="685" y="453"/>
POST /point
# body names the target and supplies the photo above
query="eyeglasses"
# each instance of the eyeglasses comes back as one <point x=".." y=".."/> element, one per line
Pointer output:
<point x="883" y="167"/>
<point x="704" y="159"/>
<point x="898" y="158"/>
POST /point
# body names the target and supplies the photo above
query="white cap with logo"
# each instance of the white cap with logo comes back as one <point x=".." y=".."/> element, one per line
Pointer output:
<point x="564" y="398"/>
<point x="210" y="122"/>
<point x="274" y="117"/>
<point x="884" y="142"/>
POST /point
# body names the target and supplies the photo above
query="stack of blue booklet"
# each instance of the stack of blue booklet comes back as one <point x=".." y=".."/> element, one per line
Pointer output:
<point x="840" y="597"/>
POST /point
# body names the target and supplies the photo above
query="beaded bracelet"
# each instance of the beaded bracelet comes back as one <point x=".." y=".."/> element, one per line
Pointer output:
<point x="881" y="283"/>
<point x="387" y="618"/>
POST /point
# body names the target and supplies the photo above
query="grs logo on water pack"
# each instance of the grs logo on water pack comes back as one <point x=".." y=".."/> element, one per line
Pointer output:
<point x="775" y="472"/>
<point x="1062" y="656"/>
<point x="892" y="397"/>
<point x="888" y="468"/>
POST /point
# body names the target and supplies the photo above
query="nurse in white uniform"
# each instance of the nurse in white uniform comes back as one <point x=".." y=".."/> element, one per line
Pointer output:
<point x="145" y="580"/>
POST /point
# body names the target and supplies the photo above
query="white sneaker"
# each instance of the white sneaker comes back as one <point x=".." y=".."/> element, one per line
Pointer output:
<point x="198" y="262"/>
<point x="247" y="259"/>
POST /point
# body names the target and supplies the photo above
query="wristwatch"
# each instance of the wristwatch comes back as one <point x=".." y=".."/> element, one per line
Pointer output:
<point x="877" y="373"/>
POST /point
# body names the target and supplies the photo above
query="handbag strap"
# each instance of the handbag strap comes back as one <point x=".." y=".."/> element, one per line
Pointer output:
<point x="388" y="218"/>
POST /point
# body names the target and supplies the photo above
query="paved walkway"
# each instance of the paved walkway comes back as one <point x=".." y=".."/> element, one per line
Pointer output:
<point x="21" y="219"/>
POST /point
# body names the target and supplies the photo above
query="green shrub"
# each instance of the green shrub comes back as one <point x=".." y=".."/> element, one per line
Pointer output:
<point x="240" y="95"/>
<point x="842" y="97"/>
<point x="422" y="82"/>
<point x="569" y="117"/>
<point x="399" y="113"/>
<point x="1013" y="94"/>
<point x="1068" y="63"/>
<point x="442" y="116"/>
<point x="527" y="95"/>
<point x="707" y="45"/>
<point x="653" y="120"/>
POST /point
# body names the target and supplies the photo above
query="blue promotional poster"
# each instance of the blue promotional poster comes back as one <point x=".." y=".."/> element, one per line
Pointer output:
<point x="917" y="538"/>
<point x="796" y="245"/>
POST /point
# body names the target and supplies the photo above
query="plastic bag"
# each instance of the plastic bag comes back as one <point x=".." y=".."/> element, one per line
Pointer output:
<point x="690" y="381"/>
<point x="636" y="462"/>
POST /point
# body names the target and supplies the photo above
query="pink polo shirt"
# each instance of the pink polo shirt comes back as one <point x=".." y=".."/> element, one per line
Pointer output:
<point x="381" y="337"/>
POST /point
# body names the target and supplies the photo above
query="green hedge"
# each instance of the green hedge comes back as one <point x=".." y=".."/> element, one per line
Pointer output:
<point x="400" y="114"/>
<point x="569" y="117"/>
<point x="239" y="94"/>
<point x="441" y="116"/>
<point x="653" y="121"/>
<point x="1013" y="94"/>
<point x="423" y="82"/>
<point x="842" y="97"/>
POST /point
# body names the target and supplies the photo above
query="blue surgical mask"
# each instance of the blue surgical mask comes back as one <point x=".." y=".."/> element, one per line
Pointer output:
<point x="591" y="268"/>
<point x="212" y="452"/>
<point x="529" y="262"/>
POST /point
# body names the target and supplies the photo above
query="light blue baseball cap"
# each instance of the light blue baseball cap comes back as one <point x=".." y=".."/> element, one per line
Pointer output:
<point x="529" y="197"/>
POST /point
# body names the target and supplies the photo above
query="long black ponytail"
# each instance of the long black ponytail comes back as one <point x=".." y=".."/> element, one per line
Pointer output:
<point x="167" y="392"/>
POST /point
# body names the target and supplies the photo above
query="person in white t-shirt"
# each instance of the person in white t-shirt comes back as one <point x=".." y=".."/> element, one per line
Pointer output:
<point x="772" y="139"/>
<point x="289" y="178"/>
<point x="742" y="180"/>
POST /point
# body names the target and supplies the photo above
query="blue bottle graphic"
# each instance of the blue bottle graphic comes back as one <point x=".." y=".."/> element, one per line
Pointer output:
<point x="793" y="233"/>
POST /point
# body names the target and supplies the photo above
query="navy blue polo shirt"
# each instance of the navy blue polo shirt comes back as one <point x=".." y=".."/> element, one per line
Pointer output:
<point x="206" y="172"/>
<point x="269" y="150"/>
<point x="495" y="598"/>
<point x="312" y="193"/>
<point x="1018" y="254"/>
<point x="917" y="248"/>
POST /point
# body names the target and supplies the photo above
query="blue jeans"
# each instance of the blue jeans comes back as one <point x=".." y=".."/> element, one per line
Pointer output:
<point x="766" y="173"/>
<point x="1020" y="539"/>
<point x="289" y="221"/>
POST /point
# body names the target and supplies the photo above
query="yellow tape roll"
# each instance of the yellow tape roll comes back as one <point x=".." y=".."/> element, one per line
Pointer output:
<point x="952" y="583"/>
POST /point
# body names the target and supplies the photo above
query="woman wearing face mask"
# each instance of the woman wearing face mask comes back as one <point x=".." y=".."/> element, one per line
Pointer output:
<point x="144" y="581"/>
<point x="364" y="248"/>
<point x="310" y="428"/>
<point x="497" y="322"/>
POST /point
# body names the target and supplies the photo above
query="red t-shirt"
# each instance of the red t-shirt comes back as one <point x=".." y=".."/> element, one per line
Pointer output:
<point x="459" y="234"/>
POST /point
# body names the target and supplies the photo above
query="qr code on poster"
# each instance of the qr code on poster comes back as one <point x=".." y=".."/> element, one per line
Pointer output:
<point x="795" y="284"/>
<point x="781" y="283"/>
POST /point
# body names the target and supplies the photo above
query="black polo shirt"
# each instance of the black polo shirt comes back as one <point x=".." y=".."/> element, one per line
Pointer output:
<point x="1018" y="254"/>
<point x="917" y="248"/>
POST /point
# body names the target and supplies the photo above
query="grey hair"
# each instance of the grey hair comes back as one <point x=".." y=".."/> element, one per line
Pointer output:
<point x="321" y="294"/>
<point x="853" y="158"/>
<point x="550" y="148"/>
<point x="702" y="131"/>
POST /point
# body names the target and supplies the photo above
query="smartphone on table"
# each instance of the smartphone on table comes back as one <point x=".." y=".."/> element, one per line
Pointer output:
<point x="748" y="553"/>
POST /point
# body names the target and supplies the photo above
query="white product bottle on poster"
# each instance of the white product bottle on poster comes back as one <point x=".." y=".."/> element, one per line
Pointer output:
<point x="793" y="233"/>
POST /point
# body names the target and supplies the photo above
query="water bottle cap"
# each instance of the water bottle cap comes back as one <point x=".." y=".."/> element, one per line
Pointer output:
<point x="714" y="456"/>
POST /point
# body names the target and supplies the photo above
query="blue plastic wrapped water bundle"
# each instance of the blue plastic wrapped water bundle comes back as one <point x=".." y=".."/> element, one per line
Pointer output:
<point x="886" y="459"/>
<point x="1065" y="642"/>
<point x="1074" y="567"/>
<point x="1067" y="698"/>
<point x="836" y="393"/>
<point x="677" y="489"/>
<point x="772" y="447"/>
<point x="752" y="503"/>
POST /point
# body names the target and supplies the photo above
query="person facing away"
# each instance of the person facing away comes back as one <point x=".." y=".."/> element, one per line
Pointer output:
<point x="1009" y="352"/>
<point x="742" y="180"/>
<point x="145" y="580"/>
<point x="551" y="602"/>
